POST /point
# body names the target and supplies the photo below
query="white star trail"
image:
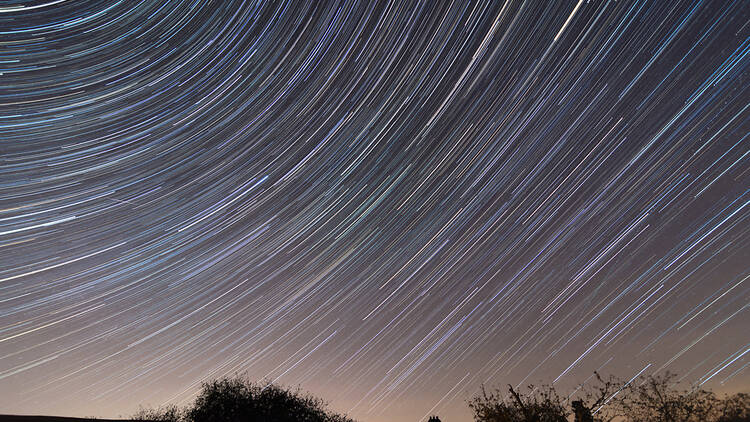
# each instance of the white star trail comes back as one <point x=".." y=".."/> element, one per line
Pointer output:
<point x="387" y="203"/>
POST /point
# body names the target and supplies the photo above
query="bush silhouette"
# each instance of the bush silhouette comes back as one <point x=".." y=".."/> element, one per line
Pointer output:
<point x="240" y="400"/>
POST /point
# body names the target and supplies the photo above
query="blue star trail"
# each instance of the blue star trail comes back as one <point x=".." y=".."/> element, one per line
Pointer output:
<point x="388" y="204"/>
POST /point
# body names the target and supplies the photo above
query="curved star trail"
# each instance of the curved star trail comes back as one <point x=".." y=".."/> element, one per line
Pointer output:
<point x="388" y="204"/>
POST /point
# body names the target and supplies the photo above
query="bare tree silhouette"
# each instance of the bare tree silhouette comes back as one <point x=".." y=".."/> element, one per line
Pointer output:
<point x="655" y="398"/>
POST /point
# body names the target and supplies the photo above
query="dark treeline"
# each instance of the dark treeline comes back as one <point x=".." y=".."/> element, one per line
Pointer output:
<point x="647" y="399"/>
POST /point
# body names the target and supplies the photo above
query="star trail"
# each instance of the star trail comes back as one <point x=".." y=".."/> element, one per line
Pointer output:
<point x="386" y="203"/>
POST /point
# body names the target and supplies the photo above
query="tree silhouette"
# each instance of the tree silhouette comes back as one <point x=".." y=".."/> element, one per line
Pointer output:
<point x="581" y="412"/>
<point x="655" y="398"/>
<point x="592" y="400"/>
<point x="735" y="408"/>
<point x="539" y="405"/>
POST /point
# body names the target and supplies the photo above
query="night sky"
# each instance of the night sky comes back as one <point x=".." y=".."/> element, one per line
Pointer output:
<point x="386" y="204"/>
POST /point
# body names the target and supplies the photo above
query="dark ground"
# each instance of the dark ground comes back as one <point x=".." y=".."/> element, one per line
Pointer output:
<point x="31" y="418"/>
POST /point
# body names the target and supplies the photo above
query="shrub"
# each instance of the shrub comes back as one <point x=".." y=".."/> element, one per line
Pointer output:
<point x="240" y="400"/>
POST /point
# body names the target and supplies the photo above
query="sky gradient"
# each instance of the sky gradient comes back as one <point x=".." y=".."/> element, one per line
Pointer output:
<point x="388" y="204"/>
